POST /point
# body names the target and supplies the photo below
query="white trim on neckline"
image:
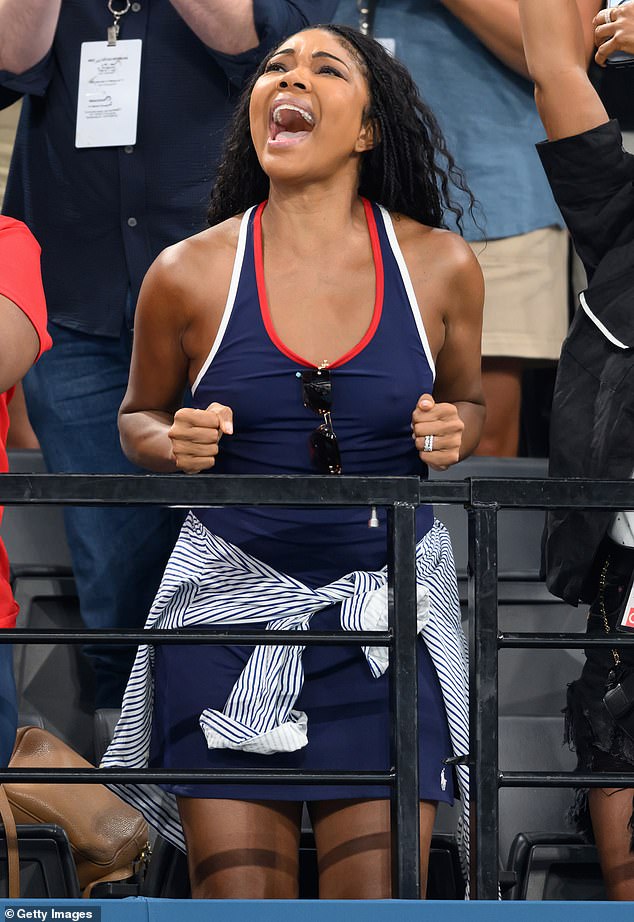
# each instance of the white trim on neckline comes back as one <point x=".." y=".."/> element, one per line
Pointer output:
<point x="231" y="297"/>
<point x="409" y="288"/>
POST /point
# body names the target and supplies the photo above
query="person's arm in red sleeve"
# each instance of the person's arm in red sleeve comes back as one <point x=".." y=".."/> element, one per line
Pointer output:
<point x="23" y="334"/>
<point x="19" y="344"/>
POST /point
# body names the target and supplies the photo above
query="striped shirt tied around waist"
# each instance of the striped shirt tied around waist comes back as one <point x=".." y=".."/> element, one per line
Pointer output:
<point x="210" y="582"/>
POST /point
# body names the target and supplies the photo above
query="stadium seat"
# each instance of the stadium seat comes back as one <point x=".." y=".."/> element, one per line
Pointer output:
<point x="54" y="680"/>
<point x="34" y="535"/>
<point x="532" y="743"/>
<point x="550" y="866"/>
<point x="519" y="530"/>
<point x="47" y="869"/>
<point x="44" y="588"/>
<point x="105" y="721"/>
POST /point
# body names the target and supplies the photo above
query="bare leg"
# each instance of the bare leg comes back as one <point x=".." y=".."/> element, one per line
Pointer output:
<point x="353" y="847"/>
<point x="611" y="810"/>
<point x="20" y="433"/>
<point x="502" y="386"/>
<point x="241" y="849"/>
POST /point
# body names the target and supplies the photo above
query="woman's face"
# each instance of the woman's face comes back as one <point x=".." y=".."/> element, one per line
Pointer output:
<point x="307" y="110"/>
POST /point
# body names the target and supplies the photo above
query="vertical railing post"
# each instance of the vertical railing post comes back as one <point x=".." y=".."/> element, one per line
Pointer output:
<point x="483" y="683"/>
<point x="405" y="824"/>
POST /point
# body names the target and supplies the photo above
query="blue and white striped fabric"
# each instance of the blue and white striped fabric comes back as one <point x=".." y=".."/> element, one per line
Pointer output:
<point x="209" y="582"/>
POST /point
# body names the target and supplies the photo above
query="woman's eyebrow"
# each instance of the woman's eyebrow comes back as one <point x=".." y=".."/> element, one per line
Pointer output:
<point x="326" y="54"/>
<point x="316" y="54"/>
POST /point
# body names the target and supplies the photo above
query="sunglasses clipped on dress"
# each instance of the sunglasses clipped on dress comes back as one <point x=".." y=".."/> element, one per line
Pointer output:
<point x="323" y="443"/>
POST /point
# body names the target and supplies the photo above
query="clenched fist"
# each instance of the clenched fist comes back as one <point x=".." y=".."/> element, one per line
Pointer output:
<point x="195" y="435"/>
<point x="440" y="420"/>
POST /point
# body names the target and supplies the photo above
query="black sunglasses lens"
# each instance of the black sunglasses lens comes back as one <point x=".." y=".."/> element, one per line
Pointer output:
<point x="324" y="450"/>
<point x="317" y="390"/>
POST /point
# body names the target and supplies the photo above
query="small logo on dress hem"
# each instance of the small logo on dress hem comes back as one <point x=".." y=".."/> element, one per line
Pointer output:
<point x="443" y="780"/>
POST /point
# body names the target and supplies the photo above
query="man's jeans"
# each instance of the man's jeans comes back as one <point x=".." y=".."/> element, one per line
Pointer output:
<point x="73" y="396"/>
<point x="8" y="704"/>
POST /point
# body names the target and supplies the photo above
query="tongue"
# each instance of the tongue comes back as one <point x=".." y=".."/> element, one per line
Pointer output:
<point x="292" y="122"/>
<point x="291" y="135"/>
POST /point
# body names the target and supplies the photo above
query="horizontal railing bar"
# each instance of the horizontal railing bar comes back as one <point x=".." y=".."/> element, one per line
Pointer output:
<point x="564" y="779"/>
<point x="284" y="490"/>
<point x="208" y="636"/>
<point x="40" y="571"/>
<point x="218" y="489"/>
<point x="191" y="776"/>
<point x="548" y="641"/>
<point x="553" y="493"/>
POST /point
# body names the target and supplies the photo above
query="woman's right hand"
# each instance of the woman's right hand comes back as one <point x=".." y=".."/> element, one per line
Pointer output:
<point x="195" y="435"/>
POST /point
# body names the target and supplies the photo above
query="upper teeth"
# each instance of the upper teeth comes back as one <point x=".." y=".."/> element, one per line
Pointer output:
<point x="290" y="108"/>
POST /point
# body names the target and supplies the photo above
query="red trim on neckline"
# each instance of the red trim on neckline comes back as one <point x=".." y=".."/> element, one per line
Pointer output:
<point x="264" y="304"/>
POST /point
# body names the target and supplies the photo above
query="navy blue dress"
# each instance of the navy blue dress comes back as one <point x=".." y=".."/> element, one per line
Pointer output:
<point x="375" y="387"/>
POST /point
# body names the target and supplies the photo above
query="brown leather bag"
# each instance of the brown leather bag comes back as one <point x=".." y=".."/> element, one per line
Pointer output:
<point x="107" y="837"/>
<point x="11" y="838"/>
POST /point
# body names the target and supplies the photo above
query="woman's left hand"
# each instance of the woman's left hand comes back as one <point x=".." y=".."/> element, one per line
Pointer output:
<point x="437" y="432"/>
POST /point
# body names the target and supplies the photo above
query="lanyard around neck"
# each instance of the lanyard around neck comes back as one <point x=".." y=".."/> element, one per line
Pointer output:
<point x="113" y="30"/>
<point x="367" y="9"/>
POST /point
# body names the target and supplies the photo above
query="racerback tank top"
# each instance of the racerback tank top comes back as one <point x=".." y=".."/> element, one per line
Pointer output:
<point x="375" y="387"/>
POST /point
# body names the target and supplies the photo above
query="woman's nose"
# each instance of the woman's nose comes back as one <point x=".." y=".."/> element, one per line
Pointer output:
<point x="289" y="80"/>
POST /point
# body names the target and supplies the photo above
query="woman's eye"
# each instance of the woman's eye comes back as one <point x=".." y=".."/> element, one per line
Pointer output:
<point x="273" y="67"/>
<point x="328" y="69"/>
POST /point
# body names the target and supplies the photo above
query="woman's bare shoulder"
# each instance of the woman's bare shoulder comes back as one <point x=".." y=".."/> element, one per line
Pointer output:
<point x="444" y="270"/>
<point x="419" y="242"/>
<point x="187" y="267"/>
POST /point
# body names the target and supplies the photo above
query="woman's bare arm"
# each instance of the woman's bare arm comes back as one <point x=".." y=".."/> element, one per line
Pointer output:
<point x="156" y="432"/>
<point x="553" y="41"/>
<point x="158" y="371"/>
<point x="497" y="24"/>
<point x="455" y="415"/>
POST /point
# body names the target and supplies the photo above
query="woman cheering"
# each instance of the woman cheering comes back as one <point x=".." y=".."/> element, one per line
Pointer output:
<point x="325" y="323"/>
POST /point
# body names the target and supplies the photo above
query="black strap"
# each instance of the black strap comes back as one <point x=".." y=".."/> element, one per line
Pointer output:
<point x="11" y="839"/>
<point x="367" y="11"/>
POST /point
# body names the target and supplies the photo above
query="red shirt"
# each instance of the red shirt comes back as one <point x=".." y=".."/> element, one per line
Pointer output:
<point x="20" y="282"/>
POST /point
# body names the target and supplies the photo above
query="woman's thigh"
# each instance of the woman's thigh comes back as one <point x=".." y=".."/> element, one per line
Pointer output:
<point x="241" y="849"/>
<point x="353" y="847"/>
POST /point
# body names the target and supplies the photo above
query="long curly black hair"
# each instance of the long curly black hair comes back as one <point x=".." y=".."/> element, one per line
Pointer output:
<point x="409" y="171"/>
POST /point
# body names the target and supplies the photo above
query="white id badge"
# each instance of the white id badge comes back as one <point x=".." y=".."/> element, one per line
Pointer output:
<point x="108" y="101"/>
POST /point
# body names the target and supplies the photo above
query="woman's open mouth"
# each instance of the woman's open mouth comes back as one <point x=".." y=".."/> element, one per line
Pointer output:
<point x="289" y="123"/>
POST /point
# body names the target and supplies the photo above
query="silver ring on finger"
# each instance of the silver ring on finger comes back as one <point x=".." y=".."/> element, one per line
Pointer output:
<point x="608" y="14"/>
<point x="428" y="444"/>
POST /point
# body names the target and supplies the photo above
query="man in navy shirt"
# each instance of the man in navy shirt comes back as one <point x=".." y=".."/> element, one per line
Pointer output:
<point x="105" y="191"/>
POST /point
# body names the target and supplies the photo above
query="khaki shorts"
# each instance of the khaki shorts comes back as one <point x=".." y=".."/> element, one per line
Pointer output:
<point x="526" y="294"/>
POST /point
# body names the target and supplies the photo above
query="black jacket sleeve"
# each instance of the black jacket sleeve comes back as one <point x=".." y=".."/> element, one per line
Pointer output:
<point x="592" y="179"/>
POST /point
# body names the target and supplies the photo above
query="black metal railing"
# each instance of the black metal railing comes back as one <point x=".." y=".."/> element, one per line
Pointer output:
<point x="487" y="497"/>
<point x="483" y="498"/>
<point x="401" y="496"/>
